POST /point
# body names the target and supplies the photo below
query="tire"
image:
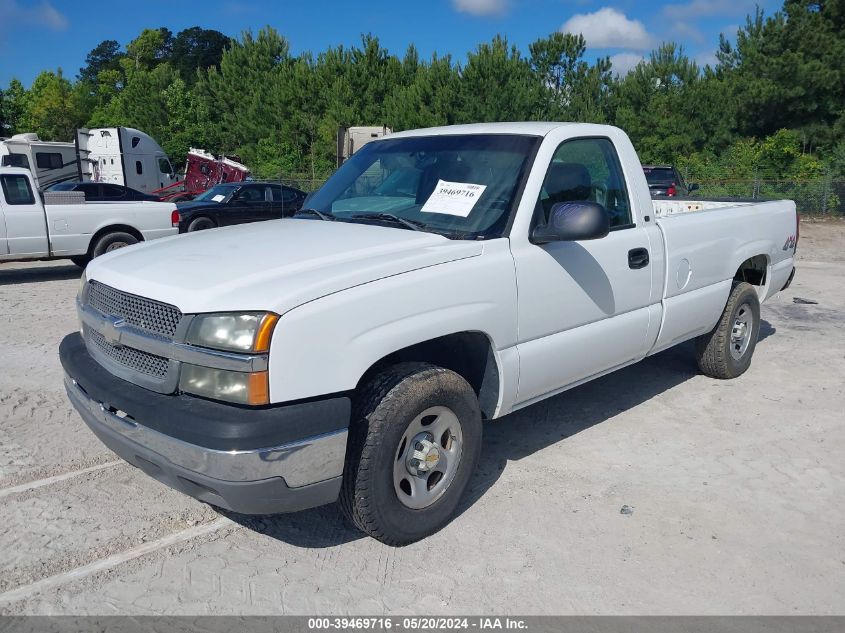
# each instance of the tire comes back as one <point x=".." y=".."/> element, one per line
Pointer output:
<point x="386" y="416"/>
<point x="112" y="241"/>
<point x="726" y="351"/>
<point x="81" y="261"/>
<point x="201" y="224"/>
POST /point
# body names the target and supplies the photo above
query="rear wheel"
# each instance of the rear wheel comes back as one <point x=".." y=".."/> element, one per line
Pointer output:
<point x="414" y="443"/>
<point x="111" y="242"/>
<point x="726" y="351"/>
<point x="201" y="224"/>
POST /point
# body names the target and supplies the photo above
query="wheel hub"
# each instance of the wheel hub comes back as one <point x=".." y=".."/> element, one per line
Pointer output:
<point x="741" y="331"/>
<point x="425" y="456"/>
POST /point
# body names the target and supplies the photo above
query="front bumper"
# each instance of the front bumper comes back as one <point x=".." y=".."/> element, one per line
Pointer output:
<point x="253" y="461"/>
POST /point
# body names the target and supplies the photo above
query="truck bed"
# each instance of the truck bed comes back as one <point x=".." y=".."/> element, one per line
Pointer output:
<point x="705" y="243"/>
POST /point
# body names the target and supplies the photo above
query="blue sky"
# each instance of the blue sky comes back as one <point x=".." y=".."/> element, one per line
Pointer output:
<point x="47" y="34"/>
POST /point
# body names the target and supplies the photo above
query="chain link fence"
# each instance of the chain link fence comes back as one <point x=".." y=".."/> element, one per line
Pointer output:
<point x="306" y="184"/>
<point x="822" y="196"/>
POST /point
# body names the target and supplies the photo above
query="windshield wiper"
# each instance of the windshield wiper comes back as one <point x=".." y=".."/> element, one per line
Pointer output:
<point x="323" y="215"/>
<point x="414" y="225"/>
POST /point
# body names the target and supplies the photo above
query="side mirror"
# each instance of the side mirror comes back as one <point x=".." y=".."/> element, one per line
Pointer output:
<point x="693" y="187"/>
<point x="572" y="221"/>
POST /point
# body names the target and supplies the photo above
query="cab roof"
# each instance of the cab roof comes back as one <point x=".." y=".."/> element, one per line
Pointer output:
<point x="527" y="128"/>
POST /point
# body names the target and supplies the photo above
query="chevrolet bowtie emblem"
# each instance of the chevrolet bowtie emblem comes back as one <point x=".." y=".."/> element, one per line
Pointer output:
<point x="111" y="330"/>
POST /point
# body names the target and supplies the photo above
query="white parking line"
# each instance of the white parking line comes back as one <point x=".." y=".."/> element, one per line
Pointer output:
<point x="26" y="591"/>
<point x="5" y="492"/>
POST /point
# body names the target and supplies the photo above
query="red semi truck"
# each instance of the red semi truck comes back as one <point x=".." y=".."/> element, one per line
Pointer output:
<point x="202" y="171"/>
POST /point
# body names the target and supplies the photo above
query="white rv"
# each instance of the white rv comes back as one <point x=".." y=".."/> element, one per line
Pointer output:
<point x="125" y="156"/>
<point x="48" y="161"/>
<point x="121" y="155"/>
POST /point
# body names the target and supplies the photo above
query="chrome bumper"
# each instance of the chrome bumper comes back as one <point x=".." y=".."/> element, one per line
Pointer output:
<point x="246" y="481"/>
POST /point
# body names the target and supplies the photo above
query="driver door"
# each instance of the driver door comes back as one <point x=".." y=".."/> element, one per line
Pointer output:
<point x="26" y="227"/>
<point x="250" y="204"/>
<point x="583" y="305"/>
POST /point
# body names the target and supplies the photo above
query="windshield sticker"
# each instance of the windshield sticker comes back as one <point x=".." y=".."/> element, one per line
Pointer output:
<point x="218" y="198"/>
<point x="453" y="198"/>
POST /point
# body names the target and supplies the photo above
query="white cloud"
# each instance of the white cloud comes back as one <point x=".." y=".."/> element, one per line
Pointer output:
<point x="481" y="7"/>
<point x="608" y="28"/>
<point x="623" y="63"/>
<point x="703" y="8"/>
<point x="43" y="14"/>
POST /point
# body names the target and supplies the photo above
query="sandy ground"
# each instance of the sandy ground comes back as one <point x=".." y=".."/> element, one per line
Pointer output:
<point x="736" y="491"/>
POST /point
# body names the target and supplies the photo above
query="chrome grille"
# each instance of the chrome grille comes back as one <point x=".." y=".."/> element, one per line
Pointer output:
<point x="135" y="359"/>
<point x="148" y="315"/>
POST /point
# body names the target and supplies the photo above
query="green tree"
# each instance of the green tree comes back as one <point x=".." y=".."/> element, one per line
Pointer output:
<point x="497" y="84"/>
<point x="197" y="49"/>
<point x="53" y="108"/>
<point x="571" y="89"/>
<point x="149" y="49"/>
<point x="105" y="56"/>
<point x="14" y="107"/>
<point x="788" y="71"/>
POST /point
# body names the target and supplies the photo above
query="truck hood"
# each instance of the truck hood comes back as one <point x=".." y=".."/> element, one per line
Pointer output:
<point x="275" y="265"/>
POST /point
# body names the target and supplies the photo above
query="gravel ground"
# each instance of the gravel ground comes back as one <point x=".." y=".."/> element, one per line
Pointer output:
<point x="654" y="490"/>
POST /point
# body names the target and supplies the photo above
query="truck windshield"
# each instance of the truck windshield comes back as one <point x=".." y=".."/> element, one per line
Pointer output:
<point x="218" y="193"/>
<point x="461" y="186"/>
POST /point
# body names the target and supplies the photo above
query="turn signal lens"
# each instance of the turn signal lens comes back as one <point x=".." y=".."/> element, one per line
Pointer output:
<point x="265" y="332"/>
<point x="259" y="388"/>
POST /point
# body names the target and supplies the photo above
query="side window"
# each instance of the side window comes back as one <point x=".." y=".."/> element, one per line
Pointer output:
<point x="139" y="168"/>
<point x="48" y="160"/>
<point x="164" y="166"/>
<point x="112" y="192"/>
<point x="587" y="169"/>
<point x="16" y="189"/>
<point x="252" y="194"/>
<point x="91" y="191"/>
<point x="288" y="194"/>
<point x="278" y="193"/>
<point x="16" y="160"/>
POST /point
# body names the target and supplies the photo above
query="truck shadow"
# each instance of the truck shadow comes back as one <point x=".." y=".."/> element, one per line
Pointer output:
<point x="512" y="438"/>
<point x="33" y="274"/>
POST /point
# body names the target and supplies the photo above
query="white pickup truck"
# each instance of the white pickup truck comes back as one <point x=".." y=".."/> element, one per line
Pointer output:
<point x="52" y="228"/>
<point x="439" y="278"/>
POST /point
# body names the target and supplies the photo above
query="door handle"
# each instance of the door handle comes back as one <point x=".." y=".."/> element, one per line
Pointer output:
<point x="637" y="258"/>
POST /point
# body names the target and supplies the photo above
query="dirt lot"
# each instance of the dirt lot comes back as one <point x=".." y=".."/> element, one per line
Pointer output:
<point x="736" y="488"/>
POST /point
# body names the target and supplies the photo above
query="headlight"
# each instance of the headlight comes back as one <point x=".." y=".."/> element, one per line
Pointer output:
<point x="220" y="384"/>
<point x="246" y="332"/>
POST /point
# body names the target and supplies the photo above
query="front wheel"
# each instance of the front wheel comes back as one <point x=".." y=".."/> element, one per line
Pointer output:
<point x="414" y="443"/>
<point x="726" y="351"/>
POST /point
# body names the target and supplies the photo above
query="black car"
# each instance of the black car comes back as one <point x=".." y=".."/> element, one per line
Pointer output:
<point x="103" y="191"/>
<point x="666" y="181"/>
<point x="239" y="203"/>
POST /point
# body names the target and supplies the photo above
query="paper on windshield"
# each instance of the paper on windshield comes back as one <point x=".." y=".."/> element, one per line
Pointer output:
<point x="453" y="198"/>
<point x="218" y="198"/>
